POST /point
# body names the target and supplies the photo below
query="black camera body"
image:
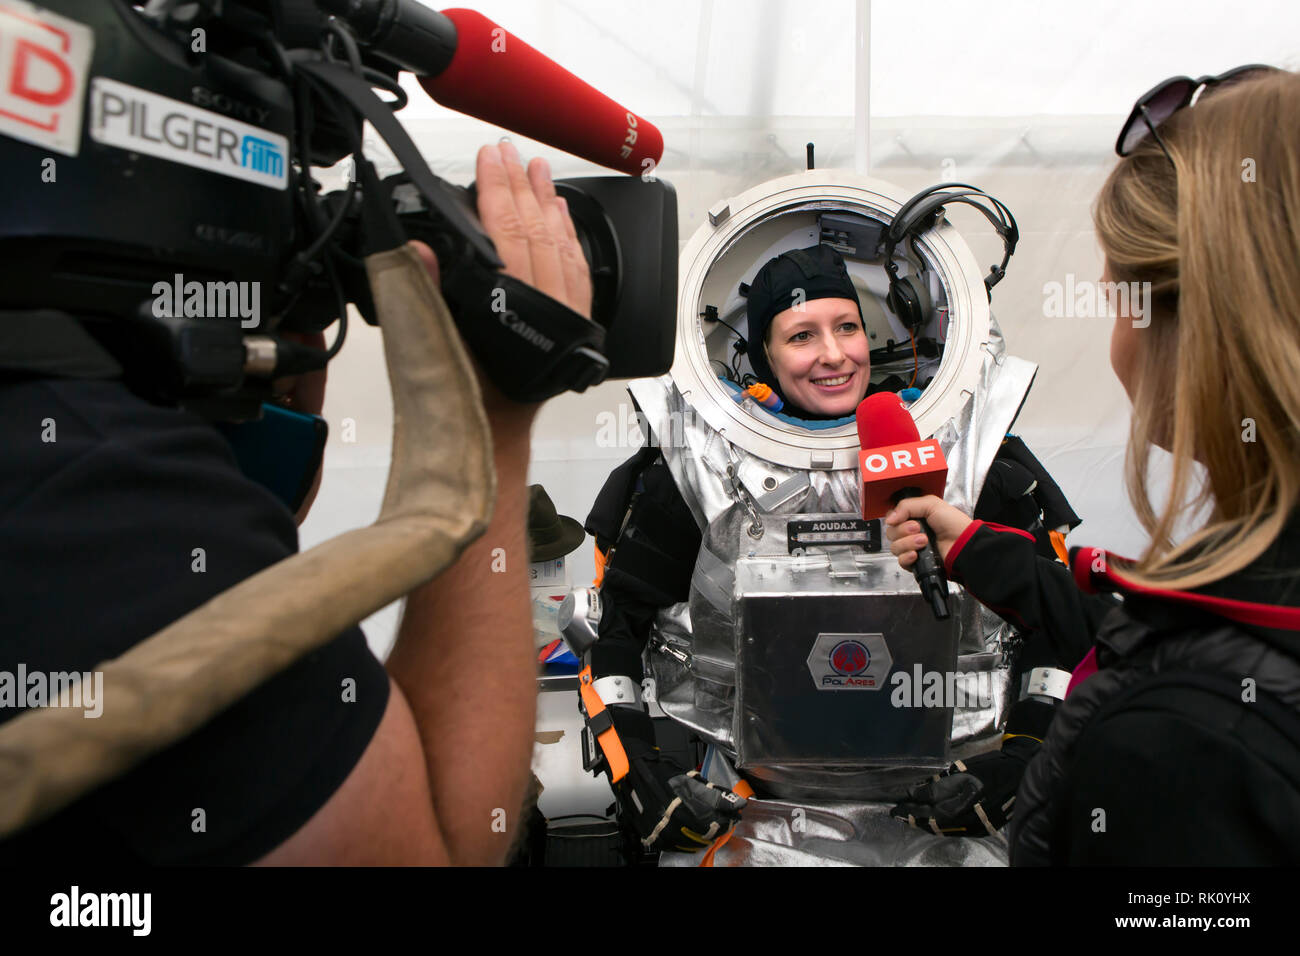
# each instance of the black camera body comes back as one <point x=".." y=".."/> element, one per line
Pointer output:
<point x="114" y="221"/>
<point x="520" y="339"/>
<point x="185" y="221"/>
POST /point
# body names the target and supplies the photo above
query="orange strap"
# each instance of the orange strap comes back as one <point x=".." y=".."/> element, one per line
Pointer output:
<point x="600" y="567"/>
<point x="610" y="745"/>
<point x="708" y="854"/>
<point x="1058" y="545"/>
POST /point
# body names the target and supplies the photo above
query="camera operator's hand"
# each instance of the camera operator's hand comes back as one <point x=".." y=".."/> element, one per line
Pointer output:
<point x="535" y="238"/>
<point x="905" y="535"/>
<point x="456" y="660"/>
<point x="531" y="227"/>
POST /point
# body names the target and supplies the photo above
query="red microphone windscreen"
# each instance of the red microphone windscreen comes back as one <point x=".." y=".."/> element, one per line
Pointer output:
<point x="893" y="457"/>
<point x="883" y="421"/>
<point x="499" y="78"/>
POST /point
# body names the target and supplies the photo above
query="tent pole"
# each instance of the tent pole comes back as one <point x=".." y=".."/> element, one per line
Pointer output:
<point x="862" y="88"/>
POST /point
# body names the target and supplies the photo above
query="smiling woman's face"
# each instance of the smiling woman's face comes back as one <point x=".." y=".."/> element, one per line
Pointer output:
<point x="820" y="355"/>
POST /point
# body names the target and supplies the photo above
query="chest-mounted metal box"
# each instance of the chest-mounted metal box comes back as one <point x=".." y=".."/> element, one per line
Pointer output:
<point x="830" y="641"/>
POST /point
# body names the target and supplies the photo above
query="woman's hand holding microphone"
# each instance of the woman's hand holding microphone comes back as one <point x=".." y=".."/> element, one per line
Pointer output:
<point x="904" y="532"/>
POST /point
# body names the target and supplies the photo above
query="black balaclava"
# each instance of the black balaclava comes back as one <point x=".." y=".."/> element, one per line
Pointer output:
<point x="820" y="272"/>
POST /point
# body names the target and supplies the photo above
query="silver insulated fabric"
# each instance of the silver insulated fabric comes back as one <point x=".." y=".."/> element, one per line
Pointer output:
<point x="735" y="495"/>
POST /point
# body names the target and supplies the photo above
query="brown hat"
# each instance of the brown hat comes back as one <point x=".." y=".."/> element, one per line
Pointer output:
<point x="550" y="535"/>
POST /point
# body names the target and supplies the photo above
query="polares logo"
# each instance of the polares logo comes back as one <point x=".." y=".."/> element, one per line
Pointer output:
<point x="849" y="661"/>
<point x="44" y="62"/>
<point x="143" y="122"/>
<point x="850" y="658"/>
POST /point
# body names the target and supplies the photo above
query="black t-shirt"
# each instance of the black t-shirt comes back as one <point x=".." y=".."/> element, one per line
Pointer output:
<point x="98" y="531"/>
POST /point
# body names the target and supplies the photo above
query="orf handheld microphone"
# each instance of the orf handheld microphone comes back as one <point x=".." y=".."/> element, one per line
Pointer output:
<point x="496" y="77"/>
<point x="895" y="464"/>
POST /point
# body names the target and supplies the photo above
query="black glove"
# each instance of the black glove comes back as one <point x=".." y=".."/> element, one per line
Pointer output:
<point x="973" y="797"/>
<point x="670" y="807"/>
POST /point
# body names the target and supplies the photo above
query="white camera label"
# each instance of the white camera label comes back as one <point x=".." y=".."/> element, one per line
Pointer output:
<point x="143" y="122"/>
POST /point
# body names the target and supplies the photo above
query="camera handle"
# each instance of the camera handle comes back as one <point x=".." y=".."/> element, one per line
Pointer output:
<point x="530" y="345"/>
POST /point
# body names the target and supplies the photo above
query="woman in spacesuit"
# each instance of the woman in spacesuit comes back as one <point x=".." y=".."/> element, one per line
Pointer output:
<point x="806" y="340"/>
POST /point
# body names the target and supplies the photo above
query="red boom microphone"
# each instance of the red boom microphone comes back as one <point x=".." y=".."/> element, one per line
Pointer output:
<point x="496" y="77"/>
<point x="895" y="464"/>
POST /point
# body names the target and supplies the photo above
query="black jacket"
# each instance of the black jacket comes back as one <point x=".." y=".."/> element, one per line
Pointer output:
<point x="1184" y="747"/>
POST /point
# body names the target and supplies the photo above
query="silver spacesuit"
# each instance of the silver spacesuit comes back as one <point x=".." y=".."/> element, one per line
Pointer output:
<point x="794" y="654"/>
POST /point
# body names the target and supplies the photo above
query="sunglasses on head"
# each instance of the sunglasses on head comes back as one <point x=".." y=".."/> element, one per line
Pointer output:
<point x="1160" y="102"/>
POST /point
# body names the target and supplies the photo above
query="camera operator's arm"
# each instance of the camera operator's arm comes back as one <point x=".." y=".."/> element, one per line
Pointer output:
<point x="455" y="743"/>
<point x="465" y="656"/>
<point x="465" y="661"/>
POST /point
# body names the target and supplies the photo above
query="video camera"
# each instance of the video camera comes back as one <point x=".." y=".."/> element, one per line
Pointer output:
<point x="157" y="181"/>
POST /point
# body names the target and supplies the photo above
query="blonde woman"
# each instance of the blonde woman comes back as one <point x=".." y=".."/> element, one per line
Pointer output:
<point x="1179" y="739"/>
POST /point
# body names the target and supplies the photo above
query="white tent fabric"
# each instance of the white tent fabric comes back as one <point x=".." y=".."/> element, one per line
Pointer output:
<point x="1022" y="99"/>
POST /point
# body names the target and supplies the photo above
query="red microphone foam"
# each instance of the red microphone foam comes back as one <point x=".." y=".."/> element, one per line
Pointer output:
<point x="499" y="78"/>
<point x="882" y="420"/>
<point x="893" y="457"/>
